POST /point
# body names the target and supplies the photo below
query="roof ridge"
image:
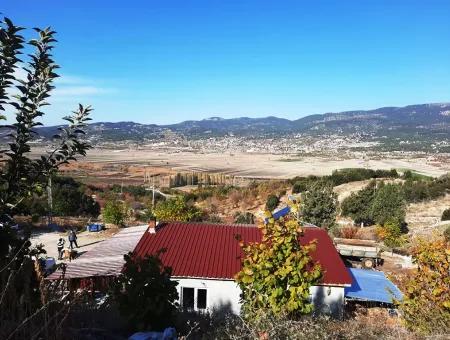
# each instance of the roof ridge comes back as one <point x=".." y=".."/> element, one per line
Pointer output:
<point x="209" y="223"/>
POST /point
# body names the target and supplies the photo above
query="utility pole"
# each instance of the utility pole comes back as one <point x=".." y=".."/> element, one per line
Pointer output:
<point x="50" y="200"/>
<point x="153" y="192"/>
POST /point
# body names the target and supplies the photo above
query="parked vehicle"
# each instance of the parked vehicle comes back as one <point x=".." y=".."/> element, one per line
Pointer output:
<point x="365" y="252"/>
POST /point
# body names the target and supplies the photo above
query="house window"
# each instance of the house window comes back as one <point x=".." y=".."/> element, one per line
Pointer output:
<point x="201" y="298"/>
<point x="187" y="296"/>
<point x="193" y="298"/>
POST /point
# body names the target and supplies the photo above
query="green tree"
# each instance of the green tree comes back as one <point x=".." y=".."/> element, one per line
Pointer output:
<point x="115" y="212"/>
<point x="388" y="204"/>
<point x="272" y="202"/>
<point x="145" y="294"/>
<point x="426" y="304"/>
<point x="446" y="215"/>
<point x="277" y="272"/>
<point x="22" y="176"/>
<point x="318" y="205"/>
<point x="176" y="209"/>
<point x="69" y="199"/>
<point x="358" y="205"/>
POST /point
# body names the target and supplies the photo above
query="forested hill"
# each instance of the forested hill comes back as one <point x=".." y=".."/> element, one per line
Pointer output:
<point x="413" y="120"/>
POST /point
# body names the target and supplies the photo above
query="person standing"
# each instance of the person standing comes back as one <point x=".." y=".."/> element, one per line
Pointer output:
<point x="73" y="238"/>
<point x="60" y="246"/>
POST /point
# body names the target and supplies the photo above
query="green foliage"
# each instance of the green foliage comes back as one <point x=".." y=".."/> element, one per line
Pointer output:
<point x="21" y="176"/>
<point x="244" y="218"/>
<point x="115" y="212"/>
<point x="318" y="205"/>
<point x="301" y="184"/>
<point x="272" y="202"/>
<point x="69" y="199"/>
<point x="277" y="272"/>
<point x="391" y="233"/>
<point x="426" y="304"/>
<point x="341" y="176"/>
<point x="446" y="215"/>
<point x="358" y="205"/>
<point x="176" y="209"/>
<point x="426" y="189"/>
<point x="374" y="204"/>
<point x="388" y="204"/>
<point x="145" y="294"/>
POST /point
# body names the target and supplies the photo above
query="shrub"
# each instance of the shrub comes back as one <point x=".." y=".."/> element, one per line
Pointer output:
<point x="426" y="304"/>
<point x="447" y="233"/>
<point x="352" y="175"/>
<point x="213" y="218"/>
<point x="244" y="218"/>
<point x="272" y="202"/>
<point x="388" y="204"/>
<point x="446" y="215"/>
<point x="318" y="205"/>
<point x="391" y="233"/>
<point x="277" y="272"/>
<point x="176" y="209"/>
<point x="145" y="293"/>
<point x="348" y="232"/>
<point x="358" y="205"/>
<point x="115" y="212"/>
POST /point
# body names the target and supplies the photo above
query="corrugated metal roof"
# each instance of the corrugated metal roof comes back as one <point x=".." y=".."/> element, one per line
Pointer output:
<point x="371" y="285"/>
<point x="106" y="258"/>
<point x="205" y="250"/>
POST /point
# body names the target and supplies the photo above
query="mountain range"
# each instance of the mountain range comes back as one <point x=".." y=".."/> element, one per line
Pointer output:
<point x="416" y="121"/>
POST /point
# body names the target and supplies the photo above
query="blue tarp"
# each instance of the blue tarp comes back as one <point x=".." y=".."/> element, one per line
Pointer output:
<point x="371" y="285"/>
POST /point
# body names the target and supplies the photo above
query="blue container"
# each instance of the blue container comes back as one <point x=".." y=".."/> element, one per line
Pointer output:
<point x="93" y="227"/>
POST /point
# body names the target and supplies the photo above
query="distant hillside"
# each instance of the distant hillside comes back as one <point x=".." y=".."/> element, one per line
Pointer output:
<point x="414" y="121"/>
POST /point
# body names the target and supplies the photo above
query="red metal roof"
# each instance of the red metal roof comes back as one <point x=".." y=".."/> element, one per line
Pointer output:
<point x="203" y="250"/>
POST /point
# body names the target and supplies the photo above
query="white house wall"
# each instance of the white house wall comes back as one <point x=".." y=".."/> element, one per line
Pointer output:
<point x="225" y="295"/>
<point x="220" y="294"/>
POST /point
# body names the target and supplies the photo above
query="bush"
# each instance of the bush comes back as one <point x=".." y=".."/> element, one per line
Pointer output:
<point x="358" y="205"/>
<point x="115" y="212"/>
<point x="447" y="233"/>
<point x="348" y="232"/>
<point x="388" y="204"/>
<point x="272" y="202"/>
<point x="176" y="209"/>
<point x="391" y="233"/>
<point x="318" y="205"/>
<point x="342" y="176"/>
<point x="244" y="218"/>
<point x="446" y="215"/>
<point x="277" y="272"/>
<point x="145" y="293"/>
<point x="69" y="199"/>
<point x="212" y="218"/>
<point x="426" y="303"/>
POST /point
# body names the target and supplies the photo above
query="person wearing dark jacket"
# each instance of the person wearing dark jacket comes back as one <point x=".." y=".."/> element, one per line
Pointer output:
<point x="60" y="246"/>
<point x="73" y="239"/>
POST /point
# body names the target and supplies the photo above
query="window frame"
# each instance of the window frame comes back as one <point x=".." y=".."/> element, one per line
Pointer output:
<point x="195" y="301"/>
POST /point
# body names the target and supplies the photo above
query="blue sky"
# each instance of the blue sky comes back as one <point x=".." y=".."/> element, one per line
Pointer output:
<point x="163" y="61"/>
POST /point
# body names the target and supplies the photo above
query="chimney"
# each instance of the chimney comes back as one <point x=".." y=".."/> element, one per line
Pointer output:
<point x="152" y="224"/>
